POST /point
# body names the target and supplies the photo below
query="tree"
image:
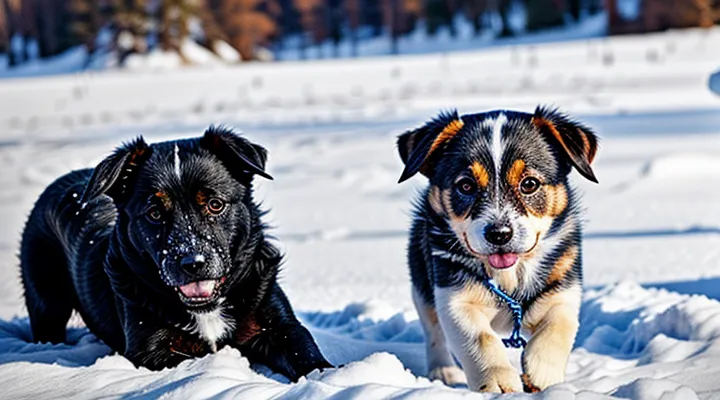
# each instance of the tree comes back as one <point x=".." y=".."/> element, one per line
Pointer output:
<point x="336" y="23"/>
<point x="130" y="22"/>
<point x="85" y="22"/>
<point x="543" y="14"/>
<point x="440" y="13"/>
<point x="4" y="41"/>
<point x="245" y="24"/>
<point x="476" y="11"/>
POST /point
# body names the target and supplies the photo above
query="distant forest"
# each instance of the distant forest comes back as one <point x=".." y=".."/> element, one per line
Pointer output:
<point x="125" y="27"/>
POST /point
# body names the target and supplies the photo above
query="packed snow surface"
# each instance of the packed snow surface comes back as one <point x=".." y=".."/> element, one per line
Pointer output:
<point x="650" y="320"/>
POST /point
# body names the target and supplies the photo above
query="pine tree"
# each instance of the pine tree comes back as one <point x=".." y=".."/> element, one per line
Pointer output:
<point x="543" y="14"/>
<point x="130" y="20"/>
<point x="440" y="13"/>
<point x="245" y="24"/>
<point x="354" y="19"/>
<point x="85" y="22"/>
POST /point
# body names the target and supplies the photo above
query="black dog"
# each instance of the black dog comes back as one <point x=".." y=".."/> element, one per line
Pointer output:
<point x="162" y="252"/>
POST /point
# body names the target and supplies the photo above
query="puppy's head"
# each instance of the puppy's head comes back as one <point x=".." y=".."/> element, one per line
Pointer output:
<point x="186" y="207"/>
<point x="499" y="179"/>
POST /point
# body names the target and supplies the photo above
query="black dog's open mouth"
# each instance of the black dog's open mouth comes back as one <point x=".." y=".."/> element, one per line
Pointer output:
<point x="200" y="293"/>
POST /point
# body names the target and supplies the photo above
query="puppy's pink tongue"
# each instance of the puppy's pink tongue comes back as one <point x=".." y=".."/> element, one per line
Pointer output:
<point x="502" y="261"/>
<point x="202" y="289"/>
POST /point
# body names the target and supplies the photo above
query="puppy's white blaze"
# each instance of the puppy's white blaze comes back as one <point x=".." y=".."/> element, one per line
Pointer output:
<point x="177" y="161"/>
<point x="497" y="148"/>
<point x="212" y="326"/>
<point x="199" y="258"/>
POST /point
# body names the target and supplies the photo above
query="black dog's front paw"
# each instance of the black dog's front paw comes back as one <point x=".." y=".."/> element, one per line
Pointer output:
<point x="289" y="350"/>
<point x="321" y="366"/>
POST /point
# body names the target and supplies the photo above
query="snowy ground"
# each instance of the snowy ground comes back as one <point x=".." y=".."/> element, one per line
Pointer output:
<point x="650" y="318"/>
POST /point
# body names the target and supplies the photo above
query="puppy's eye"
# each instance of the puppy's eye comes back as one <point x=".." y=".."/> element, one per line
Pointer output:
<point x="154" y="214"/>
<point x="215" y="206"/>
<point x="466" y="186"/>
<point x="529" y="185"/>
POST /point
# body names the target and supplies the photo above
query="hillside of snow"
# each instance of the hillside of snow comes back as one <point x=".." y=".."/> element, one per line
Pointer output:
<point x="650" y="319"/>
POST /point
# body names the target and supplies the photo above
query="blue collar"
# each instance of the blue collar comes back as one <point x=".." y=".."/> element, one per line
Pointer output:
<point x="515" y="340"/>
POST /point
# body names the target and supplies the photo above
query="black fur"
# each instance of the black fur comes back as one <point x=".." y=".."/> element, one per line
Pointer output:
<point x="92" y="244"/>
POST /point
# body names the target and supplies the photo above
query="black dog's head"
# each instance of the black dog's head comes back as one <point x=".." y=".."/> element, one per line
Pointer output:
<point x="499" y="179"/>
<point x="184" y="206"/>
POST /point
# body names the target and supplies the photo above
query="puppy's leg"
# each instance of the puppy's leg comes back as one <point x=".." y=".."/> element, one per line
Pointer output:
<point x="49" y="293"/>
<point x="279" y="341"/>
<point x="465" y="312"/>
<point x="554" y="322"/>
<point x="440" y="362"/>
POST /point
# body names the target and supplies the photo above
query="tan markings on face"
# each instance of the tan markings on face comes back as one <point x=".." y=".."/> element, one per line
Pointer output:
<point x="458" y="223"/>
<point x="446" y="197"/>
<point x="201" y="198"/>
<point x="447" y="133"/>
<point x="563" y="265"/>
<point x="480" y="174"/>
<point x="515" y="173"/>
<point x="555" y="199"/>
<point x="435" y="200"/>
<point x="164" y="199"/>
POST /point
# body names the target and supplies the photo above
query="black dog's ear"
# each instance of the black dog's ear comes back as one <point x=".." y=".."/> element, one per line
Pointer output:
<point x="576" y="141"/>
<point x="115" y="174"/>
<point x="241" y="157"/>
<point x="417" y="146"/>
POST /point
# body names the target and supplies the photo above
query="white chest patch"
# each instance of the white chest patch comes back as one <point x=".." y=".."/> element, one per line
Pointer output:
<point x="212" y="326"/>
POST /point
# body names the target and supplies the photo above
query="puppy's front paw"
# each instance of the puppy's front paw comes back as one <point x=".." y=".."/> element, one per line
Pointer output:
<point x="501" y="380"/>
<point x="449" y="375"/>
<point x="529" y="387"/>
<point x="542" y="371"/>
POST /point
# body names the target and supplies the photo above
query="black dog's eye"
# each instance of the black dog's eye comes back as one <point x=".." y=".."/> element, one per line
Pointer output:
<point x="466" y="186"/>
<point x="154" y="214"/>
<point x="529" y="185"/>
<point x="215" y="206"/>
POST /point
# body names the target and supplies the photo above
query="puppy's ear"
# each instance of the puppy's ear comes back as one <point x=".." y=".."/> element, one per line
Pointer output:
<point x="241" y="157"/>
<point x="575" y="140"/>
<point x="115" y="174"/>
<point x="417" y="147"/>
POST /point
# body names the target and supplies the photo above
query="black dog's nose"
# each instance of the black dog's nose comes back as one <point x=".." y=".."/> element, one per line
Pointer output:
<point x="498" y="234"/>
<point x="192" y="263"/>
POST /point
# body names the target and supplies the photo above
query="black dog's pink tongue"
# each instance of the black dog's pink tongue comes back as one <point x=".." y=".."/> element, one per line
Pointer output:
<point x="202" y="289"/>
<point x="502" y="261"/>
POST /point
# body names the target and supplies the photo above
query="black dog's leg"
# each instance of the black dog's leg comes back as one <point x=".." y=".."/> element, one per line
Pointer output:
<point x="49" y="293"/>
<point x="282" y="343"/>
<point x="155" y="347"/>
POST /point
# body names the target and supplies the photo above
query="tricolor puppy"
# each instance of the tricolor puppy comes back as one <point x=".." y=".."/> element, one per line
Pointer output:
<point x="161" y="250"/>
<point x="498" y="214"/>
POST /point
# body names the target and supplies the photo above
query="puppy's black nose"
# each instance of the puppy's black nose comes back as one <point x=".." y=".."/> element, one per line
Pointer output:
<point x="191" y="264"/>
<point x="498" y="234"/>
